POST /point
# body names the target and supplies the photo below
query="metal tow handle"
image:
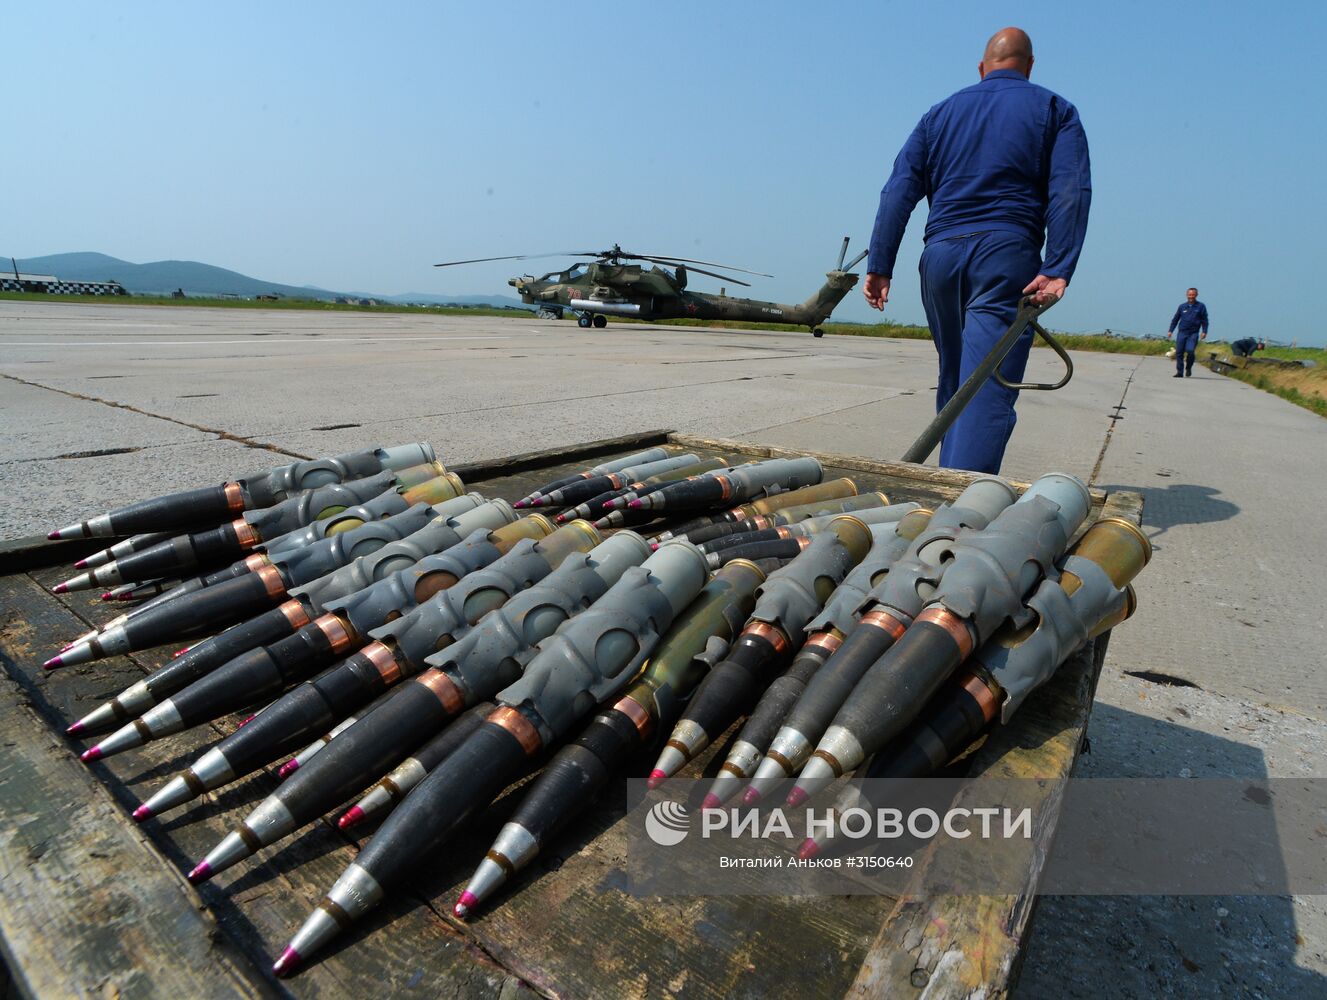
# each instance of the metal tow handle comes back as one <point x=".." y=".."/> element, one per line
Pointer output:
<point x="1028" y="311"/>
<point x="1055" y="346"/>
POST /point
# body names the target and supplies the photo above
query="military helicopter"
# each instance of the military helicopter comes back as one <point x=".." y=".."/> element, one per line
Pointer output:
<point x="607" y="285"/>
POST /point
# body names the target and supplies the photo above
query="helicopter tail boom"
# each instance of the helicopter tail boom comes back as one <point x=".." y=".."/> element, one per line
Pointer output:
<point x="818" y="307"/>
<point x="838" y="283"/>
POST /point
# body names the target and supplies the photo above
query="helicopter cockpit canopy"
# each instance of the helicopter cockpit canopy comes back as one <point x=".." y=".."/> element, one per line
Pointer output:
<point x="573" y="273"/>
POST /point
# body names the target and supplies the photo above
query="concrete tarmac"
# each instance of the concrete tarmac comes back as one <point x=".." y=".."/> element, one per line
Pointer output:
<point x="1219" y="673"/>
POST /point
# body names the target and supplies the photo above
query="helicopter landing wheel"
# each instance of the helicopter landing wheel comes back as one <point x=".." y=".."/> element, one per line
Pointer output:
<point x="600" y="322"/>
<point x="583" y="322"/>
<point x="817" y="332"/>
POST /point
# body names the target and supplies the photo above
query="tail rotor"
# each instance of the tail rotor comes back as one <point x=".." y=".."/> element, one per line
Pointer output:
<point x="843" y="252"/>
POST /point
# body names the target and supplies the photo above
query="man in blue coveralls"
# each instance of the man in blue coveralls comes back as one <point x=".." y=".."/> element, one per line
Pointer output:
<point x="1189" y="318"/>
<point x="1004" y="166"/>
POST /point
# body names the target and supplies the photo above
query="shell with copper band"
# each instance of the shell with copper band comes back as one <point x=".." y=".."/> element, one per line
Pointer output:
<point x="383" y="661"/>
<point x="981" y="692"/>
<point x="520" y="727"/>
<point x="272" y="580"/>
<point x="246" y="535"/>
<point x="885" y="621"/>
<point x="770" y="633"/>
<point x="957" y="628"/>
<point x="235" y="498"/>
<point x="829" y="641"/>
<point x="639" y="717"/>
<point x="335" y="630"/>
<point x="444" y="689"/>
<point x="295" y="613"/>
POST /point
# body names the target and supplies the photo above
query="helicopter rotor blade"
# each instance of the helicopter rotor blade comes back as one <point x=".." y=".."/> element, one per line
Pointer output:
<point x="843" y="252"/>
<point x="721" y="277"/>
<point x="519" y="256"/>
<point x="687" y="260"/>
<point x="617" y="254"/>
<point x="855" y="261"/>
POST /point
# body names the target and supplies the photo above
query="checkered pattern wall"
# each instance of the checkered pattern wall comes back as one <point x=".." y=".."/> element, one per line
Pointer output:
<point x="63" y="287"/>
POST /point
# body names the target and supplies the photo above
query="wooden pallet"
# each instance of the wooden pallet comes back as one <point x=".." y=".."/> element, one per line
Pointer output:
<point x="91" y="904"/>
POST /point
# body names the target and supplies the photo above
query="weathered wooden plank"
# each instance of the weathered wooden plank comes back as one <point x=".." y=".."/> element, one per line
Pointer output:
<point x="20" y="554"/>
<point x="260" y="904"/>
<point x="1126" y="504"/>
<point x="87" y="905"/>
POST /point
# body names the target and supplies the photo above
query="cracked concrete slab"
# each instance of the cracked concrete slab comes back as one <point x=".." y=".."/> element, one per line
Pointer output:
<point x="1231" y="478"/>
<point x="40" y="424"/>
<point x="40" y="495"/>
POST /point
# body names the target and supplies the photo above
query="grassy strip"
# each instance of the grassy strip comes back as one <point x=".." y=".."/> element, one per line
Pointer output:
<point x="1110" y="345"/>
<point x="311" y="305"/>
<point x="1306" y="388"/>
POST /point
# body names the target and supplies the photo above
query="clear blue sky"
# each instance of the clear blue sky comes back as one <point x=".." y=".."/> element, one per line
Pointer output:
<point x="352" y="145"/>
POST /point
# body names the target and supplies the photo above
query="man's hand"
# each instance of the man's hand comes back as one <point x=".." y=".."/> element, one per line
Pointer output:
<point x="1169" y="334"/>
<point x="876" y="290"/>
<point x="1044" y="289"/>
<point x="1203" y="336"/>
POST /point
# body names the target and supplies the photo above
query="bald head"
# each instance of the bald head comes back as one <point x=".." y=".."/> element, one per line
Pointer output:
<point x="1009" y="48"/>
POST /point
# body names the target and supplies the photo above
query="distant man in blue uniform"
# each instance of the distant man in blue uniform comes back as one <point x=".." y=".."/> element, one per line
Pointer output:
<point x="1004" y="166"/>
<point x="1189" y="318"/>
<point x="1245" y="347"/>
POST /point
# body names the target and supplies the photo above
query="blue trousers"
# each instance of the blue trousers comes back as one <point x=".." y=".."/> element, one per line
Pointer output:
<point x="971" y="286"/>
<point x="1185" y="346"/>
